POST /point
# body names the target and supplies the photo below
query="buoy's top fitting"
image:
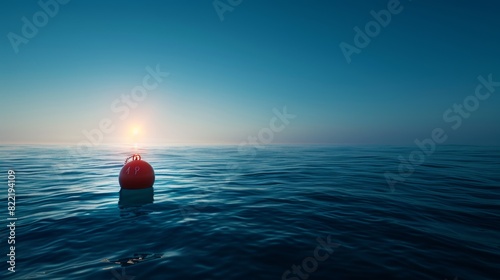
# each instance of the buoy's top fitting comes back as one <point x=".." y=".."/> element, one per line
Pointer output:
<point x="133" y="157"/>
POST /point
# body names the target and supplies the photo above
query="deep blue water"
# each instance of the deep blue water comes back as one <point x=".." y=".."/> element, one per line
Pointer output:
<point x="220" y="214"/>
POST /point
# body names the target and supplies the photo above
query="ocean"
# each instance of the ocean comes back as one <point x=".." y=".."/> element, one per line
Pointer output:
<point x="276" y="212"/>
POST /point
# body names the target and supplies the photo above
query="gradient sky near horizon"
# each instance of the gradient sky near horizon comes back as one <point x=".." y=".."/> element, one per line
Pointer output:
<point x="227" y="76"/>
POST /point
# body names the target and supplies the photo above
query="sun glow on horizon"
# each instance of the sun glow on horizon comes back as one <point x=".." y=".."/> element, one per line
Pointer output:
<point x="135" y="138"/>
<point x="135" y="131"/>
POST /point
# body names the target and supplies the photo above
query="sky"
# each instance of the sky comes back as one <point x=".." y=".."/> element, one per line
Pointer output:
<point x="296" y="72"/>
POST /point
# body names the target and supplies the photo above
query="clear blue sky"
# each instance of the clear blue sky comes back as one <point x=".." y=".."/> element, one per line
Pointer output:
<point x="226" y="76"/>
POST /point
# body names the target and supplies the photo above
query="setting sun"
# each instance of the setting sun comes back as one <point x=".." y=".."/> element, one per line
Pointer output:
<point x="135" y="131"/>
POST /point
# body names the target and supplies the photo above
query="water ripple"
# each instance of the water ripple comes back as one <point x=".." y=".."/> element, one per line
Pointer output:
<point x="216" y="214"/>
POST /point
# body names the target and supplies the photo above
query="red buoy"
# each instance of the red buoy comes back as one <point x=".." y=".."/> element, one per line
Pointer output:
<point x="136" y="174"/>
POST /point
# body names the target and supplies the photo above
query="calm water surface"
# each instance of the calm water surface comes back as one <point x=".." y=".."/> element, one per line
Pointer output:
<point x="217" y="214"/>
